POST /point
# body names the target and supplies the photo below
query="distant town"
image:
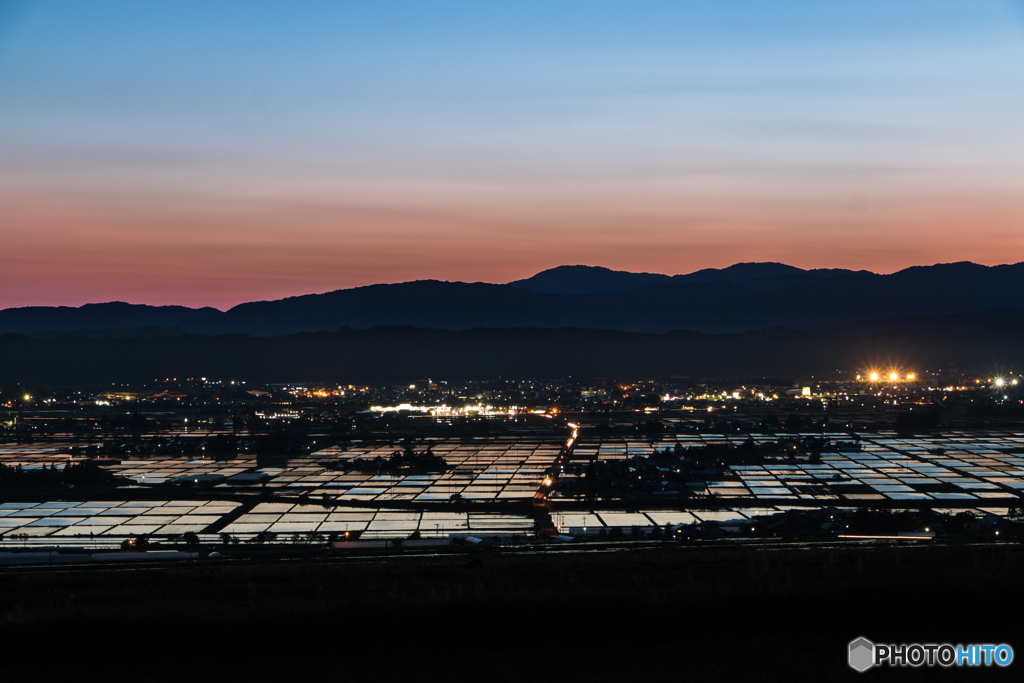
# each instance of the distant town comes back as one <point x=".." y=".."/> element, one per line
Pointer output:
<point x="204" y="467"/>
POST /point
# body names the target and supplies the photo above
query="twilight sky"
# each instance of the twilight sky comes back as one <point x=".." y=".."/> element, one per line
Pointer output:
<point x="209" y="153"/>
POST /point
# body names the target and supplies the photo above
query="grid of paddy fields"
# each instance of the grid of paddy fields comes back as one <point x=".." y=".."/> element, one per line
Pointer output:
<point x="957" y="466"/>
<point x="978" y="470"/>
<point x="484" y="469"/>
<point x="488" y="470"/>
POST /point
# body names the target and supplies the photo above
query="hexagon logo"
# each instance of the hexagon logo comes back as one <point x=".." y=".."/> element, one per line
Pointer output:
<point x="862" y="654"/>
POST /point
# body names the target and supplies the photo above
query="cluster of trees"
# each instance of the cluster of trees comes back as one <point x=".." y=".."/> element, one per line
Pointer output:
<point x="84" y="474"/>
<point x="825" y="523"/>
<point x="404" y="461"/>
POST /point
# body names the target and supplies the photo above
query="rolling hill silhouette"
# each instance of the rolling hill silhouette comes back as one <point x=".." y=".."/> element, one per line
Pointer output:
<point x="739" y="298"/>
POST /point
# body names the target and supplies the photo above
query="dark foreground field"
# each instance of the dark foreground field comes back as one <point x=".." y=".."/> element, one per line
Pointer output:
<point x="688" y="614"/>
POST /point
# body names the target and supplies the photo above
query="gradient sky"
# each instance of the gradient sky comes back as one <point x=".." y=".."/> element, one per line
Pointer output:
<point x="209" y="153"/>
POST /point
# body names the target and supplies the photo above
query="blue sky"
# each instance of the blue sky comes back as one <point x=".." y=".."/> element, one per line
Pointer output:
<point x="350" y="143"/>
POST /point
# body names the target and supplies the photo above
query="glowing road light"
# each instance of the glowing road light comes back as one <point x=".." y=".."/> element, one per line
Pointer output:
<point x="999" y="381"/>
<point x="911" y="377"/>
<point x="874" y="376"/>
<point x="893" y="376"/>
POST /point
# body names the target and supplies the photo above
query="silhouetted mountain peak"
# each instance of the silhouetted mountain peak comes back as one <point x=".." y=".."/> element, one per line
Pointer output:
<point x="739" y="272"/>
<point x="588" y="280"/>
<point x="833" y="272"/>
<point x="568" y="280"/>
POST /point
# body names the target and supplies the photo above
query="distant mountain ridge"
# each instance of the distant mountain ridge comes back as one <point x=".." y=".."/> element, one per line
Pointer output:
<point x="569" y="280"/>
<point x="742" y="297"/>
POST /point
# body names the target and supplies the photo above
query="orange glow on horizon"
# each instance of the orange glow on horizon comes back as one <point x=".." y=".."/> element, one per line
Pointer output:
<point x="69" y="249"/>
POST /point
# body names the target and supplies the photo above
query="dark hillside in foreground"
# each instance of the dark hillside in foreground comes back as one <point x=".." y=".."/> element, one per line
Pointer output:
<point x="400" y="354"/>
<point x="679" y="613"/>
